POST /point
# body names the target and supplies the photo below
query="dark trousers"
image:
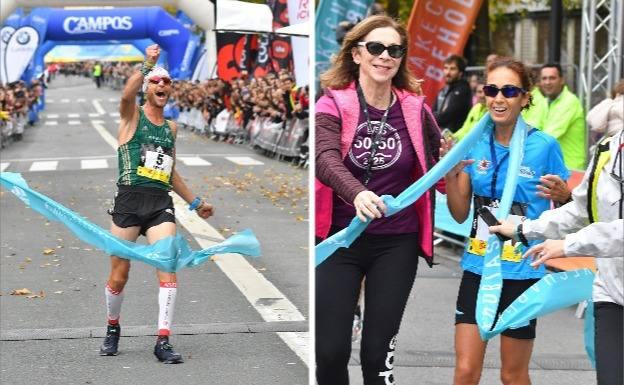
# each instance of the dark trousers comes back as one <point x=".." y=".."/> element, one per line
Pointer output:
<point x="608" y="343"/>
<point x="389" y="264"/>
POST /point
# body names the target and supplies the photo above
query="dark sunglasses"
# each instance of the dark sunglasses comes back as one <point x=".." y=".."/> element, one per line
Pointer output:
<point x="508" y="91"/>
<point x="375" y="48"/>
<point x="156" y="80"/>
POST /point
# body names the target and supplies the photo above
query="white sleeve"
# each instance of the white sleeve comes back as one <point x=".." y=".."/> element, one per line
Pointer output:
<point x="600" y="239"/>
<point x="597" y="116"/>
<point x="567" y="219"/>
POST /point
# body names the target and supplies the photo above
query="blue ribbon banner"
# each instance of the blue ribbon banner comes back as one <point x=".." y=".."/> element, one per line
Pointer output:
<point x="551" y="293"/>
<point x="492" y="278"/>
<point x="169" y="254"/>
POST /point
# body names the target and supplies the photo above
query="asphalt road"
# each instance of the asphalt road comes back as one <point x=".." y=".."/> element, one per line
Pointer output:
<point x="237" y="321"/>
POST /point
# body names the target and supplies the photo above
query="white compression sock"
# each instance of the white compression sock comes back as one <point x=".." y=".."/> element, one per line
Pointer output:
<point x="166" y="304"/>
<point x="113" y="304"/>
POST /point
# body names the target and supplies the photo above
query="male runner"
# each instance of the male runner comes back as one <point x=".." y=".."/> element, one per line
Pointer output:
<point x="143" y="205"/>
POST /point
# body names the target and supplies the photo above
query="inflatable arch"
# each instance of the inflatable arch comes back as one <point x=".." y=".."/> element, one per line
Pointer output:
<point x="137" y="26"/>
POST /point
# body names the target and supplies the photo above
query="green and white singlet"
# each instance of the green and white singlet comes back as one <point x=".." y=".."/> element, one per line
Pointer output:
<point x="147" y="159"/>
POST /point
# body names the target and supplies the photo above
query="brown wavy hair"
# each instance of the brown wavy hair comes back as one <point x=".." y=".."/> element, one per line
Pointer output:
<point x="519" y="68"/>
<point x="344" y="71"/>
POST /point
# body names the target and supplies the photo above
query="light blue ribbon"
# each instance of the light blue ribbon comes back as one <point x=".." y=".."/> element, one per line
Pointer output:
<point x="169" y="254"/>
<point x="346" y="236"/>
<point x="492" y="277"/>
<point x="549" y="294"/>
<point x="590" y="329"/>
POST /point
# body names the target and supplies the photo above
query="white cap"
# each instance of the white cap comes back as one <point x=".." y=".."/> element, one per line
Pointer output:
<point x="155" y="72"/>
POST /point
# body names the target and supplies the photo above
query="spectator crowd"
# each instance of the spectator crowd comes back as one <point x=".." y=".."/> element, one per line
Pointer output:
<point x="248" y="106"/>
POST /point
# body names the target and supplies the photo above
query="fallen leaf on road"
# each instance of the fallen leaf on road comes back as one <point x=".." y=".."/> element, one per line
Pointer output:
<point x="23" y="291"/>
<point x="58" y="292"/>
<point x="262" y="269"/>
<point x="300" y="218"/>
<point x="213" y="258"/>
<point x="48" y="251"/>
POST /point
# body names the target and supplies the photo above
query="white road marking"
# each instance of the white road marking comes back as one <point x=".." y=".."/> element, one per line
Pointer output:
<point x="94" y="115"/>
<point x="117" y="121"/>
<point x="73" y="115"/>
<point x="110" y="139"/>
<point x="81" y="100"/>
<point x="52" y="116"/>
<point x="51" y="123"/>
<point x="243" y="160"/>
<point x="64" y="100"/>
<point x="50" y="101"/>
<point x="74" y="122"/>
<point x="98" y="107"/>
<point x="44" y="166"/>
<point x="193" y="161"/>
<point x="60" y="158"/>
<point x="112" y="100"/>
<point x="113" y="114"/>
<point x="3" y="166"/>
<point x="89" y="164"/>
<point x="254" y="286"/>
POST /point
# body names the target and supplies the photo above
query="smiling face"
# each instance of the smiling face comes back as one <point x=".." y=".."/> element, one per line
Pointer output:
<point x="505" y="111"/>
<point x="378" y="69"/>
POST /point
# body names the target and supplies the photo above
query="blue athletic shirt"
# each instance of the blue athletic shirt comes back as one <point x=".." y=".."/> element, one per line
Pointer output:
<point x="542" y="155"/>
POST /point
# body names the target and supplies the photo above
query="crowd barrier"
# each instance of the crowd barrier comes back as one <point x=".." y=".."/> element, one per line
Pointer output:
<point x="12" y="129"/>
<point x="284" y="139"/>
<point x="115" y="82"/>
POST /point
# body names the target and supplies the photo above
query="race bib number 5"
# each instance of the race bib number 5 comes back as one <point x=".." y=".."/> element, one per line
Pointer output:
<point x="156" y="163"/>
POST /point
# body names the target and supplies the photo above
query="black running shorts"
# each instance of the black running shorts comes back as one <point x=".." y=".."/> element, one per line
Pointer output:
<point x="512" y="289"/>
<point x="142" y="206"/>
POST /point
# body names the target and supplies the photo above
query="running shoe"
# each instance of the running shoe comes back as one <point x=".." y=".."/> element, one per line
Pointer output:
<point x="109" y="347"/>
<point x="165" y="353"/>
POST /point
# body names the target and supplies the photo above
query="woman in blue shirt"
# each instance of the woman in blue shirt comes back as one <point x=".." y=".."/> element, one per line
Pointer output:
<point x="479" y="179"/>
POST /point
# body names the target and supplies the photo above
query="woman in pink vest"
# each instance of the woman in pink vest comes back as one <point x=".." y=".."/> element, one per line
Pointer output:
<point x="374" y="136"/>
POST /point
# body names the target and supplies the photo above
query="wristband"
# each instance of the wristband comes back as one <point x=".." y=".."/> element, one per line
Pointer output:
<point x="146" y="67"/>
<point x="195" y="204"/>
<point x="521" y="236"/>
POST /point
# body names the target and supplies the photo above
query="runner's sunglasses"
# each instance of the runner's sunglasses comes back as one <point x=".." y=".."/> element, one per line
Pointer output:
<point x="375" y="48"/>
<point x="508" y="91"/>
<point x="156" y="80"/>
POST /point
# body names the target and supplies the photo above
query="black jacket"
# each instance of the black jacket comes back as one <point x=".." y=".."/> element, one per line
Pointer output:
<point x="454" y="109"/>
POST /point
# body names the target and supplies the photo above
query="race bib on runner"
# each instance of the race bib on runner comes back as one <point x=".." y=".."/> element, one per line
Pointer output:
<point x="156" y="162"/>
<point x="480" y="232"/>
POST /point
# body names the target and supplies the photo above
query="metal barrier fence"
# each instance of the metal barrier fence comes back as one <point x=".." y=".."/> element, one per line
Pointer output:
<point x="12" y="129"/>
<point x="287" y="139"/>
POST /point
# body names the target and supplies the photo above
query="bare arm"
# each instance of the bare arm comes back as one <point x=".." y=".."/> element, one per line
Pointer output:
<point x="458" y="187"/>
<point x="128" y="110"/>
<point x="458" y="194"/>
<point x="127" y="107"/>
<point x="204" y="209"/>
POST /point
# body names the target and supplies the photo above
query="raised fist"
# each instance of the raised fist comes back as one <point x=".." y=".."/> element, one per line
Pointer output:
<point x="152" y="53"/>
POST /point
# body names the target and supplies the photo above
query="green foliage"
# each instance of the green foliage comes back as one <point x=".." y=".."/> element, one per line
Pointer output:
<point x="499" y="8"/>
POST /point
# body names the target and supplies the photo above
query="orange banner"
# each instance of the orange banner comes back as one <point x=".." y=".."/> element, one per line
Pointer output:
<point x="438" y="29"/>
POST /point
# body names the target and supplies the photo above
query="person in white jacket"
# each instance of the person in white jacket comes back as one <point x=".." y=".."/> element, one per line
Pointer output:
<point x="607" y="117"/>
<point x="591" y="224"/>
